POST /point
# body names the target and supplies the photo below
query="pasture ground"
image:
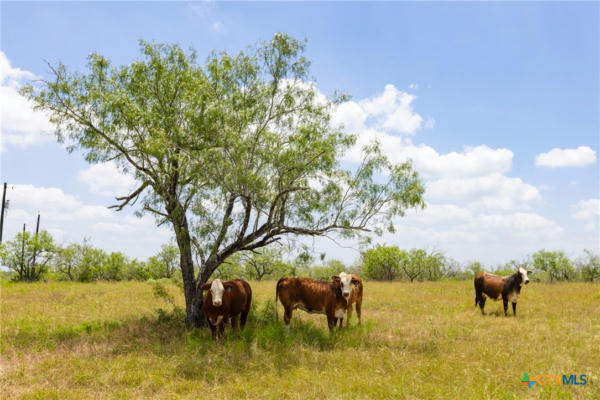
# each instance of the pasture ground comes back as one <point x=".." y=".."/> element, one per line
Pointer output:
<point x="417" y="341"/>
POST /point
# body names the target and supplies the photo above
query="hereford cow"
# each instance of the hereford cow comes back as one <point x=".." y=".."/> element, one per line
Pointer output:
<point x="313" y="296"/>
<point x="225" y="301"/>
<point x="356" y="293"/>
<point x="493" y="286"/>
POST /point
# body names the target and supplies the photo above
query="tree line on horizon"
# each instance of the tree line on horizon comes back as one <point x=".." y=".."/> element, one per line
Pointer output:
<point x="31" y="257"/>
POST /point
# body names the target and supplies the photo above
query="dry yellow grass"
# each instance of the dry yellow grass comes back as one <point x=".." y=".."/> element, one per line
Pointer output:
<point x="417" y="341"/>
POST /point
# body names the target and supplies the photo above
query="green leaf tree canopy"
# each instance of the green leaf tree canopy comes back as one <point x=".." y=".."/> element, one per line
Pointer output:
<point x="383" y="262"/>
<point x="234" y="154"/>
<point x="28" y="255"/>
<point x="590" y="265"/>
<point x="555" y="263"/>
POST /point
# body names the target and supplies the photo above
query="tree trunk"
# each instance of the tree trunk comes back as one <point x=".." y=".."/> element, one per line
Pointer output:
<point x="193" y="309"/>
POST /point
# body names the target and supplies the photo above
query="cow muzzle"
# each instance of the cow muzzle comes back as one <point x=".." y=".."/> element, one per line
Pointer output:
<point x="217" y="303"/>
<point x="527" y="281"/>
<point x="346" y="294"/>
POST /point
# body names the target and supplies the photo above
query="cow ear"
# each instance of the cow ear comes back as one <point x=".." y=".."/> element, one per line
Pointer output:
<point x="529" y="271"/>
<point x="335" y="278"/>
<point x="228" y="287"/>
<point x="206" y="286"/>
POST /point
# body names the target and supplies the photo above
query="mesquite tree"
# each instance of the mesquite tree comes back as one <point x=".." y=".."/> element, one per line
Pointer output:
<point x="234" y="155"/>
<point x="383" y="262"/>
<point x="28" y="255"/>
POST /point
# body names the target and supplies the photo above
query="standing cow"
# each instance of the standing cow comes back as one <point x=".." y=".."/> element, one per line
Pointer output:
<point x="494" y="286"/>
<point x="313" y="296"/>
<point x="356" y="293"/>
<point x="225" y="301"/>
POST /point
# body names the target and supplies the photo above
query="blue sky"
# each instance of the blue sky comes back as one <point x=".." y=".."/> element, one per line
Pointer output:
<point x="473" y="92"/>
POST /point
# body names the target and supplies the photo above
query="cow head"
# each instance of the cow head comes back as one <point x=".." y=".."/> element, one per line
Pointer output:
<point x="346" y="283"/>
<point x="523" y="273"/>
<point x="217" y="288"/>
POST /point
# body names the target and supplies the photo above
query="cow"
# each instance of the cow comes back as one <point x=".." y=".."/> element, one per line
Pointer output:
<point x="356" y="293"/>
<point x="226" y="301"/>
<point x="494" y="286"/>
<point x="313" y="296"/>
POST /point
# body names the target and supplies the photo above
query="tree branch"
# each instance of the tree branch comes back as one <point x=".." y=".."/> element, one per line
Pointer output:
<point x="132" y="196"/>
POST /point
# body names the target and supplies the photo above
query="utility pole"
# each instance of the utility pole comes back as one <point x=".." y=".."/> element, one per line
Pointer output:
<point x="23" y="252"/>
<point x="2" y="213"/>
<point x="37" y="229"/>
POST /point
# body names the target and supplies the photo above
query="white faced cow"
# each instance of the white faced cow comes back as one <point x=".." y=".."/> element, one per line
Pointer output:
<point x="355" y="288"/>
<point x="494" y="286"/>
<point x="226" y="301"/>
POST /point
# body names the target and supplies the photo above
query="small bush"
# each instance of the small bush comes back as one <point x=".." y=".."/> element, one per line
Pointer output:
<point x="174" y="317"/>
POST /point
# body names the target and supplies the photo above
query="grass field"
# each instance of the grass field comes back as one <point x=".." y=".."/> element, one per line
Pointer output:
<point x="417" y="341"/>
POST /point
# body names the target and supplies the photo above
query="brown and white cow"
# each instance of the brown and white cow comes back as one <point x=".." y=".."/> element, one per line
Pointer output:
<point x="356" y="292"/>
<point x="494" y="286"/>
<point x="312" y="296"/>
<point x="226" y="301"/>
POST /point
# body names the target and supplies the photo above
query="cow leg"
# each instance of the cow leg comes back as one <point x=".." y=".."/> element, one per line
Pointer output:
<point x="505" y="303"/>
<point x="480" y="299"/>
<point x="234" y="323"/>
<point x="287" y="316"/>
<point x="331" y="322"/>
<point x="358" y="310"/>
<point x="213" y="329"/>
<point x="243" y="318"/>
<point x="514" y="309"/>
<point x="221" y="329"/>
<point x="349" y="313"/>
<point x="482" y="304"/>
<point x="342" y="323"/>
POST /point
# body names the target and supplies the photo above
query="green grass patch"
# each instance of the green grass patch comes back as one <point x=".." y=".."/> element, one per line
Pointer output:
<point x="421" y="340"/>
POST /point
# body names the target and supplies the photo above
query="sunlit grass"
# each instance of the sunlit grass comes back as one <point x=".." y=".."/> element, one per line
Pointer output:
<point x="417" y="341"/>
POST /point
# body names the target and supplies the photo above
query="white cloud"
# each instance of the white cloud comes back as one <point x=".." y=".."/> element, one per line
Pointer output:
<point x="440" y="213"/>
<point x="474" y="209"/>
<point x="21" y="125"/>
<point x="218" y="27"/>
<point x="10" y="74"/>
<point x="519" y="222"/>
<point x="585" y="209"/>
<point x="52" y="203"/>
<point x="589" y="211"/>
<point x="493" y="191"/>
<point x="579" y="157"/>
<point x="106" y="179"/>
<point x="393" y="110"/>
<point x="472" y="161"/>
<point x="67" y="218"/>
<point x="351" y="115"/>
